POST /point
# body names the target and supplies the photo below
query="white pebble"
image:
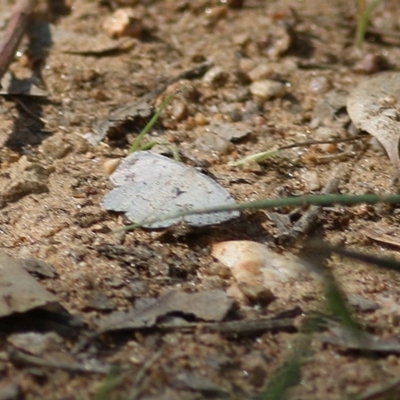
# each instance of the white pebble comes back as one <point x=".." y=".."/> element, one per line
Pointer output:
<point x="267" y="89"/>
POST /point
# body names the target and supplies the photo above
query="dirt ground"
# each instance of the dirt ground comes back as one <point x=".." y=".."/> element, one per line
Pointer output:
<point x="53" y="179"/>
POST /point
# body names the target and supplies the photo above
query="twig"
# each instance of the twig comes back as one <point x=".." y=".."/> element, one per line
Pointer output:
<point x="377" y="392"/>
<point x="26" y="359"/>
<point x="265" y="155"/>
<point x="245" y="327"/>
<point x="31" y="113"/>
<point x="14" y="31"/>
<point x="305" y="224"/>
<point x="138" y="384"/>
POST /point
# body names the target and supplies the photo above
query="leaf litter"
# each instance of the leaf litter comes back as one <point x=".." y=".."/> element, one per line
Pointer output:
<point x="374" y="106"/>
<point x="19" y="291"/>
<point x="211" y="305"/>
<point x="77" y="97"/>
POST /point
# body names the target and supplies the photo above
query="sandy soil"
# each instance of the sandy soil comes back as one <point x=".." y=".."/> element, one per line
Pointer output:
<point x="54" y="214"/>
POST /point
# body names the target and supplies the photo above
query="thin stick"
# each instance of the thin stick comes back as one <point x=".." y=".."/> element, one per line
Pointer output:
<point x="26" y="359"/>
<point x="305" y="224"/>
<point x="377" y="392"/>
<point x="14" y="31"/>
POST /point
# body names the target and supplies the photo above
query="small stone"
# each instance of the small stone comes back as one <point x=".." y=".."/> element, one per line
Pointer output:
<point x="311" y="180"/>
<point x="267" y="89"/>
<point x="26" y="178"/>
<point x="56" y="148"/>
<point x="35" y="343"/>
<point x="230" y="132"/>
<point x="110" y="165"/>
<point x="124" y="22"/>
<point x="260" y="273"/>
<point x="214" y="14"/>
<point x="99" y="301"/>
<point x="200" y="119"/>
<point x="179" y="110"/>
<point x="39" y="268"/>
<point x="325" y="133"/>
<point x="246" y="64"/>
<point x="138" y="287"/>
<point x="240" y="39"/>
<point x="277" y="41"/>
<point x="370" y="64"/>
<point x="329" y="109"/>
<point x="320" y="84"/>
<point x="216" y="77"/>
<point x="260" y="72"/>
<point x="210" y="142"/>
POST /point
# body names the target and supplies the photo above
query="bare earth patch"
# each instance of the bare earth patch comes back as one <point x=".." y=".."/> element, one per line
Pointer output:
<point x="152" y="314"/>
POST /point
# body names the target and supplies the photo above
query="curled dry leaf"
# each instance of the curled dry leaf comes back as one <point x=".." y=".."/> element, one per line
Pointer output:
<point x="19" y="291"/>
<point x="374" y="107"/>
<point x="208" y="305"/>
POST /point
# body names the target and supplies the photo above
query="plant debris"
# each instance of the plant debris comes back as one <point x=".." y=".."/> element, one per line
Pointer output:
<point x="139" y="109"/>
<point x="19" y="291"/>
<point x="208" y="305"/>
<point x="374" y="107"/>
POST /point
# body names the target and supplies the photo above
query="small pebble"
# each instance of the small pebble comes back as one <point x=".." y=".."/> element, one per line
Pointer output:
<point x="210" y="142"/>
<point x="325" y="133"/>
<point x="200" y="119"/>
<point x="260" y="72"/>
<point x="246" y="64"/>
<point x="311" y="180"/>
<point x="259" y="272"/>
<point x="124" y="22"/>
<point x="241" y="95"/>
<point x="179" y="110"/>
<point x="110" y="165"/>
<point x="277" y="42"/>
<point x="56" y="148"/>
<point x="216" y="77"/>
<point x="320" y="84"/>
<point x="35" y="343"/>
<point x="214" y="14"/>
<point x="231" y="132"/>
<point x="267" y="89"/>
<point x="240" y="39"/>
<point x="370" y="64"/>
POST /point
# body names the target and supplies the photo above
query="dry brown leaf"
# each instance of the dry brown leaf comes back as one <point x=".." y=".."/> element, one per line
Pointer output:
<point x="374" y="107"/>
<point x="19" y="291"/>
<point x="208" y="305"/>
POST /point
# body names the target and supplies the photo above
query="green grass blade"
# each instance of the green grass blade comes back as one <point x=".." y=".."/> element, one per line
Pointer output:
<point x="317" y="200"/>
<point x="114" y="378"/>
<point x="137" y="143"/>
<point x="363" y="20"/>
<point x="258" y="158"/>
<point x="384" y="262"/>
<point x="289" y="374"/>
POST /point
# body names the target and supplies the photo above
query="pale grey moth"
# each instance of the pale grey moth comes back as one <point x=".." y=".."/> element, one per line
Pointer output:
<point x="149" y="186"/>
